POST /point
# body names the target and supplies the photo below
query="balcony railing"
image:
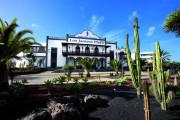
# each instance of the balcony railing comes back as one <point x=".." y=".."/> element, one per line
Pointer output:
<point x="83" y="53"/>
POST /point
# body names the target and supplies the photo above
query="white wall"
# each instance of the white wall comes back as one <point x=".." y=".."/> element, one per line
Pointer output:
<point x="61" y="60"/>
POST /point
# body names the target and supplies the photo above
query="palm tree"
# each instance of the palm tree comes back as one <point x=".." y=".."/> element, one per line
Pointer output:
<point x="172" y="23"/>
<point x="12" y="43"/>
<point x="87" y="64"/>
<point x="68" y="69"/>
<point x="116" y="65"/>
<point x="165" y="55"/>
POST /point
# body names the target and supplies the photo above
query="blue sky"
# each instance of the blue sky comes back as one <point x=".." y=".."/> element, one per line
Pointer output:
<point x="111" y="19"/>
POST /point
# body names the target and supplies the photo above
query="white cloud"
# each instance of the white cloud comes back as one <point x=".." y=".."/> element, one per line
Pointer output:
<point x="133" y="15"/>
<point x="34" y="25"/>
<point x="95" y="22"/>
<point x="151" y="31"/>
<point x="115" y="36"/>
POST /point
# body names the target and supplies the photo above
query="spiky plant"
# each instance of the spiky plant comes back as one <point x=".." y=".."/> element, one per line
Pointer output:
<point x="68" y="69"/>
<point x="48" y="84"/>
<point x="135" y="71"/>
<point x="116" y="65"/>
<point x="88" y="64"/>
<point x="158" y="79"/>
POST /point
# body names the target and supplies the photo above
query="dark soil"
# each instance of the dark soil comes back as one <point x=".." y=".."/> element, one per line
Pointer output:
<point x="122" y="105"/>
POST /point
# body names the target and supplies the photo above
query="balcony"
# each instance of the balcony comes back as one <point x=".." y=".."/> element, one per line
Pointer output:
<point x="83" y="53"/>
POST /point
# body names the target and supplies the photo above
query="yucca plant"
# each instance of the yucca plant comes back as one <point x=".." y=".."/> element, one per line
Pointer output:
<point x="159" y="78"/>
<point x="121" y="80"/>
<point x="116" y="65"/>
<point x="88" y="64"/>
<point x="135" y="70"/>
<point x="68" y="69"/>
<point x="48" y="84"/>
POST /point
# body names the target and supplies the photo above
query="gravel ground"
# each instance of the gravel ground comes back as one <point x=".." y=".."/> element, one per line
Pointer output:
<point x="125" y="106"/>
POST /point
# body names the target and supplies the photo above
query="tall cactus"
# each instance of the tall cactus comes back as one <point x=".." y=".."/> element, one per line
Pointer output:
<point x="135" y="71"/>
<point x="158" y="79"/>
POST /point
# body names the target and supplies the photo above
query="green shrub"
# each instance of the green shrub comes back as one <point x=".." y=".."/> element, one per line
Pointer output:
<point x="107" y="83"/>
<point x="17" y="88"/>
<point x="94" y="83"/>
<point x="77" y="87"/>
<point x="68" y="69"/>
<point x="48" y="83"/>
<point x="73" y="87"/>
<point x="24" y="81"/>
<point x="59" y="80"/>
<point x="67" y="87"/>
<point x="121" y="80"/>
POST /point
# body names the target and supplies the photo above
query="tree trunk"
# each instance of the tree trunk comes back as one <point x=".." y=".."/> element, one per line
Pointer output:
<point x="3" y="77"/>
<point x="88" y="74"/>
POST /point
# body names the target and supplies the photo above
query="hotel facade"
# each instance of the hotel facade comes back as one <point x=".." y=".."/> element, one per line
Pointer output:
<point x="57" y="52"/>
<point x="61" y="51"/>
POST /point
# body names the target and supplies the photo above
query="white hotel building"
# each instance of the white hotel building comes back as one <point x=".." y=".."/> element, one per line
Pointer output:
<point x="61" y="51"/>
<point x="57" y="52"/>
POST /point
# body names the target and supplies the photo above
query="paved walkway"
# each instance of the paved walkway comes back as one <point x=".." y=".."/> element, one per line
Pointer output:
<point x="41" y="77"/>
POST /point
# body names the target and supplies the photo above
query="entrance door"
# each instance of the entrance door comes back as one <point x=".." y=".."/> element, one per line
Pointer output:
<point x="53" y="57"/>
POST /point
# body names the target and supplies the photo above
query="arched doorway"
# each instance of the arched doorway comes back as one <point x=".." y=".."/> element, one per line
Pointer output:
<point x="87" y="50"/>
<point x="96" y="50"/>
<point x="77" y="49"/>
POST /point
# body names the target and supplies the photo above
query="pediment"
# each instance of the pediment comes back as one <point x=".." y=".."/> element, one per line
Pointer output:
<point x="87" y="34"/>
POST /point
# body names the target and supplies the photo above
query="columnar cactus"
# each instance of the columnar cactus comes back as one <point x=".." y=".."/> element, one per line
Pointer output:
<point x="135" y="71"/>
<point x="158" y="79"/>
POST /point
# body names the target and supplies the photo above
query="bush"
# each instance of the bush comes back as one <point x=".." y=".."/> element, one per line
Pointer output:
<point x="73" y="87"/>
<point x="24" y="81"/>
<point x="121" y="80"/>
<point x="17" y="88"/>
<point x="94" y="83"/>
<point x="107" y="83"/>
<point x="48" y="84"/>
<point x="59" y="80"/>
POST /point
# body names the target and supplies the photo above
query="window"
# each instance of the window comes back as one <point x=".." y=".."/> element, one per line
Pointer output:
<point x="77" y="49"/>
<point x="87" y="50"/>
<point x="41" y="49"/>
<point x="96" y="50"/>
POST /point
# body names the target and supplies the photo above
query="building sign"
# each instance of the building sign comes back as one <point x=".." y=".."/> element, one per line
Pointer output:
<point x="86" y="41"/>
